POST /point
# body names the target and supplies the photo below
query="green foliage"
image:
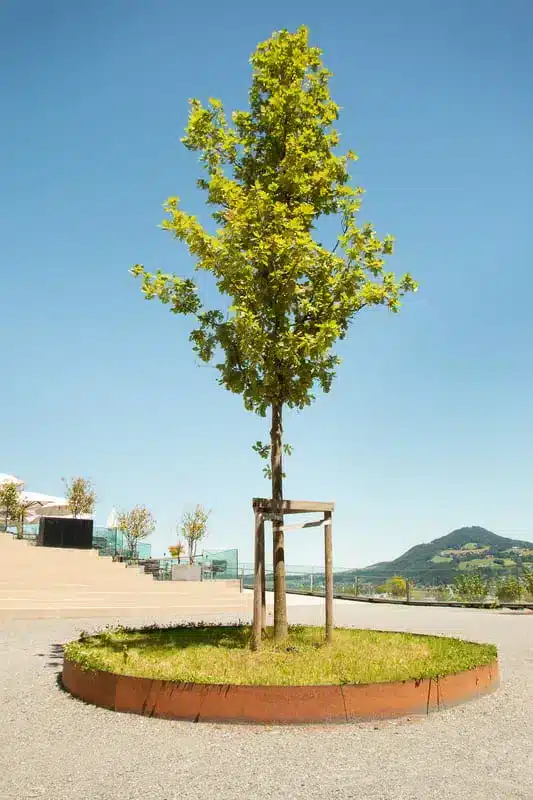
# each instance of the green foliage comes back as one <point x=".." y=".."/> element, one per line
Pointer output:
<point x="528" y="581"/>
<point x="136" y="524"/>
<point x="264" y="451"/>
<point x="509" y="589"/>
<point x="442" y="593"/>
<point x="470" y="588"/>
<point x="177" y="550"/>
<point x="270" y="175"/>
<point x="80" y="495"/>
<point x="20" y="513"/>
<point x="395" y="586"/>
<point x="9" y="501"/>
<point x="193" y="527"/>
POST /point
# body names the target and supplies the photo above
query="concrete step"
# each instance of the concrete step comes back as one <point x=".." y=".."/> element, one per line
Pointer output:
<point x="38" y="582"/>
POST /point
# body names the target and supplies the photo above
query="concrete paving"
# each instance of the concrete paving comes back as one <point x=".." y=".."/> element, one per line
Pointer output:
<point x="53" y="746"/>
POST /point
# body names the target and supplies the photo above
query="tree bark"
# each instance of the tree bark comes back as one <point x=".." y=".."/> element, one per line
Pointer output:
<point x="276" y="463"/>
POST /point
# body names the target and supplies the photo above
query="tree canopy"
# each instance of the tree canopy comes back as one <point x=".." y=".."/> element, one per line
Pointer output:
<point x="136" y="524"/>
<point x="271" y="173"/>
<point x="193" y="528"/>
<point x="80" y="496"/>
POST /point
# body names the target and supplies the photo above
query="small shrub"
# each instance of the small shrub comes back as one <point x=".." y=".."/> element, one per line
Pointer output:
<point x="442" y="593"/>
<point x="528" y="581"/>
<point x="470" y="588"/>
<point x="509" y="590"/>
<point x="395" y="586"/>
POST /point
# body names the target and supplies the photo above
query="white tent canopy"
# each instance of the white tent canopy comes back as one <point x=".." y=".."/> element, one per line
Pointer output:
<point x="5" y="478"/>
<point x="44" y="505"/>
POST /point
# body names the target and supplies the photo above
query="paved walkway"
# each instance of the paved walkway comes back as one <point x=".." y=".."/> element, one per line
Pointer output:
<point x="55" y="747"/>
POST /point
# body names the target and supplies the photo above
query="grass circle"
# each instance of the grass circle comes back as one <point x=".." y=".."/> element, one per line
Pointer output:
<point x="215" y="654"/>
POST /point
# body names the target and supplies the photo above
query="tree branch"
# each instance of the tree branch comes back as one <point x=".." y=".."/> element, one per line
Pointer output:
<point x="344" y="229"/>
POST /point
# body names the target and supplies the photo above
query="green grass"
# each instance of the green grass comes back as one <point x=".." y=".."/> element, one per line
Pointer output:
<point x="442" y="559"/>
<point x="478" y="563"/>
<point x="219" y="654"/>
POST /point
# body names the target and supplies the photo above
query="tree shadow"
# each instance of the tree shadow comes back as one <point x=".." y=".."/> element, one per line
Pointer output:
<point x="231" y="637"/>
<point x="55" y="654"/>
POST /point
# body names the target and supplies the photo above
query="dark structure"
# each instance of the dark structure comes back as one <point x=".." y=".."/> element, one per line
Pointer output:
<point x="63" y="532"/>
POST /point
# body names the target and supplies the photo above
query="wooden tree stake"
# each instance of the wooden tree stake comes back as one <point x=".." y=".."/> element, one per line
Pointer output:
<point x="259" y="571"/>
<point x="328" y="568"/>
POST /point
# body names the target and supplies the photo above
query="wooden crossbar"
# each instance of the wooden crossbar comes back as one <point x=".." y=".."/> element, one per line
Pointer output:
<point x="266" y="506"/>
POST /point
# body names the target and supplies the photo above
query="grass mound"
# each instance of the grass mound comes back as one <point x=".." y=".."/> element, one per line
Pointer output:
<point x="221" y="654"/>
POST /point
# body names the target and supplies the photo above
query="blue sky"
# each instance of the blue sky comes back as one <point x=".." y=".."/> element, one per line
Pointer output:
<point x="429" y="424"/>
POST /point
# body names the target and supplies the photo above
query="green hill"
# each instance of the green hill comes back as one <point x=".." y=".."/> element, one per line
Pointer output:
<point x="471" y="549"/>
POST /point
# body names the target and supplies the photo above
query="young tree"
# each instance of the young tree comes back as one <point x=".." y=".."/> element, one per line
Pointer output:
<point x="9" y="501"/>
<point x="193" y="528"/>
<point x="177" y="551"/>
<point x="19" y="512"/>
<point x="395" y="586"/>
<point x="80" y="495"/>
<point x="270" y="177"/>
<point x="136" y="525"/>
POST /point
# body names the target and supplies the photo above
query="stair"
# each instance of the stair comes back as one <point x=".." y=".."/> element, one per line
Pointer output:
<point x="41" y="582"/>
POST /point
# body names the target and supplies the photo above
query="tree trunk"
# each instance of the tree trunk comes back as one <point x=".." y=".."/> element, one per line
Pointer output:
<point x="276" y="463"/>
<point x="20" y="529"/>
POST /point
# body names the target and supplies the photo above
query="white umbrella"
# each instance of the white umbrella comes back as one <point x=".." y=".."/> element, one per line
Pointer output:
<point x="5" y="478"/>
<point x="43" y="505"/>
<point x="112" y="520"/>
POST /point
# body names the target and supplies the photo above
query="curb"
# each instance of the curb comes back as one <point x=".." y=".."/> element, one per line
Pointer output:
<point x="196" y="702"/>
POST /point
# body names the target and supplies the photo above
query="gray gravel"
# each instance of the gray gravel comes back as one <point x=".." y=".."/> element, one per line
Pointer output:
<point x="52" y="746"/>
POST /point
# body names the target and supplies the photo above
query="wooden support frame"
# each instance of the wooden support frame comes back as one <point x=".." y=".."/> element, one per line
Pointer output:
<point x="265" y="510"/>
<point x="270" y="507"/>
<point x="259" y="581"/>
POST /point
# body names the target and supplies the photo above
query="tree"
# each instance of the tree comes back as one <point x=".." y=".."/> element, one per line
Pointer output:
<point x="470" y="588"/>
<point x="80" y="495"/>
<point x="509" y="589"/>
<point x="528" y="581"/>
<point x="19" y="514"/>
<point x="177" y="551"/>
<point x="270" y="177"/>
<point x="9" y="501"/>
<point x="395" y="586"/>
<point x="136" y="525"/>
<point x="193" y="527"/>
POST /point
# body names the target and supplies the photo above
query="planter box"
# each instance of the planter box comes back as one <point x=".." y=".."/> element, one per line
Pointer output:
<point x="186" y="572"/>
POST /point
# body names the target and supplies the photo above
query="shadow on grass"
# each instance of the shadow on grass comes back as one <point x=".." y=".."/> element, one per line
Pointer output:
<point x="230" y="637"/>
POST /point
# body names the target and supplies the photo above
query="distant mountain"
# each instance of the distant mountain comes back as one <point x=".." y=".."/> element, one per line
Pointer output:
<point x="471" y="549"/>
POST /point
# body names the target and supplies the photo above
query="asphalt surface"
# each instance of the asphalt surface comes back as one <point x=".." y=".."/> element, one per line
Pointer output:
<point x="55" y="747"/>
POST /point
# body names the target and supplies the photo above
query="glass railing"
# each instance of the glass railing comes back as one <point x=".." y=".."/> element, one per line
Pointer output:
<point x="508" y="587"/>
<point x="108" y="542"/>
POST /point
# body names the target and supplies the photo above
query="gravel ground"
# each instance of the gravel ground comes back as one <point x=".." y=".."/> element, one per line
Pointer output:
<point x="52" y="746"/>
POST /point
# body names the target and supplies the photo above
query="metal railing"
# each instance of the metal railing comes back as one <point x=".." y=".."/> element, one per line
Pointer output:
<point x="508" y="587"/>
<point x="161" y="568"/>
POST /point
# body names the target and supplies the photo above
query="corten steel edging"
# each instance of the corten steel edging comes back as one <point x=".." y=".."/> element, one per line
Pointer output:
<point x="277" y="704"/>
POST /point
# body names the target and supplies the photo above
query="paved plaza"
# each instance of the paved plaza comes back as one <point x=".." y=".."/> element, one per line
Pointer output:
<point x="55" y="747"/>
